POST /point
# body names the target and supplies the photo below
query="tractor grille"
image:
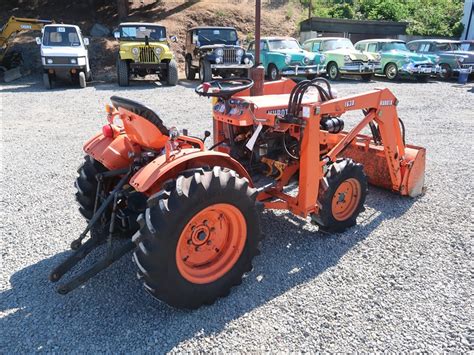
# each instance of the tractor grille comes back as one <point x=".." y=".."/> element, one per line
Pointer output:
<point x="147" y="55"/>
<point x="230" y="55"/>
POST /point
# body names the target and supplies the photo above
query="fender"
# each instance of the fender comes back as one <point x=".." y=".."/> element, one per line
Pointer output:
<point x="150" y="178"/>
<point x="113" y="153"/>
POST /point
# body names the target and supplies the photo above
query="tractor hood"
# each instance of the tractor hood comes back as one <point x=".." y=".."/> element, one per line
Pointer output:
<point x="59" y="51"/>
<point x="353" y="53"/>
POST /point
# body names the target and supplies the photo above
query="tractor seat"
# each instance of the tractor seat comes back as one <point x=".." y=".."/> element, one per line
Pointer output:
<point x="140" y="110"/>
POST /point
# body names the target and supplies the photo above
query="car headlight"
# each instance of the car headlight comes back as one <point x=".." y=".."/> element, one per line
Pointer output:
<point x="240" y="52"/>
<point x="158" y="51"/>
<point x="218" y="60"/>
<point x="306" y="60"/>
<point x="287" y="59"/>
<point x="219" y="52"/>
<point x="347" y="58"/>
<point x="246" y="60"/>
<point x="49" y="61"/>
<point x="73" y="60"/>
<point x="323" y="58"/>
<point x="135" y="51"/>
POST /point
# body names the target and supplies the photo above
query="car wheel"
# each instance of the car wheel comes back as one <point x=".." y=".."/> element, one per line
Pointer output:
<point x="82" y="79"/>
<point x="48" y="83"/>
<point x="391" y="71"/>
<point x="189" y="70"/>
<point x="333" y="71"/>
<point x="446" y="71"/>
<point x="123" y="74"/>
<point x="205" y="71"/>
<point x="273" y="73"/>
<point x="172" y="75"/>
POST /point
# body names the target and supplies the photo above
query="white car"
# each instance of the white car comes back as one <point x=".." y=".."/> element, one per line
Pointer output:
<point x="64" y="54"/>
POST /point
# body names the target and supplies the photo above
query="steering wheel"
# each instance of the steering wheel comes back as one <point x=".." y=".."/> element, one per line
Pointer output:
<point x="224" y="88"/>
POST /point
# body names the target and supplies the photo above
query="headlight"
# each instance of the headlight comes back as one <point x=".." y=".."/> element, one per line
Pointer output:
<point x="323" y="58"/>
<point x="246" y="60"/>
<point x="240" y="52"/>
<point x="347" y="58"/>
<point x="219" y="52"/>
<point x="73" y="61"/>
<point x="135" y="51"/>
<point x="158" y="51"/>
<point x="218" y="60"/>
<point x="49" y="61"/>
<point x="287" y="59"/>
<point x="306" y="60"/>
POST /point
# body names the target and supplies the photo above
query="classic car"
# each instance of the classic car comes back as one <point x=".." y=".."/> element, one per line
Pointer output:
<point x="467" y="45"/>
<point x="452" y="58"/>
<point x="215" y="51"/>
<point x="342" y="58"/>
<point x="283" y="56"/>
<point x="398" y="61"/>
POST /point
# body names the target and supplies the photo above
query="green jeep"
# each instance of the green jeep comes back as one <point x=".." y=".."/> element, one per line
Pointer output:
<point x="144" y="50"/>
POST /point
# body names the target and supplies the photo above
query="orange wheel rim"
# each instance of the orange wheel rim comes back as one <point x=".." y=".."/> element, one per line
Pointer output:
<point x="346" y="199"/>
<point x="211" y="243"/>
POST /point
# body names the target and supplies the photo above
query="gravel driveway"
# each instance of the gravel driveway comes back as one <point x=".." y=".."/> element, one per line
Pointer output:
<point x="402" y="280"/>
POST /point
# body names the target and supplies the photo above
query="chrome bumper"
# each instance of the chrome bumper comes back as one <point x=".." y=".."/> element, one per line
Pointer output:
<point x="360" y="68"/>
<point x="465" y="68"/>
<point x="231" y="66"/>
<point x="419" y="69"/>
<point x="304" y="70"/>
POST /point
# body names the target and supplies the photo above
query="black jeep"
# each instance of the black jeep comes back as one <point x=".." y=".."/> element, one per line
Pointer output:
<point x="215" y="50"/>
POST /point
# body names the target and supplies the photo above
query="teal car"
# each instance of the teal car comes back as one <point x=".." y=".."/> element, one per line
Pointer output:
<point x="397" y="60"/>
<point x="283" y="56"/>
<point x="342" y="58"/>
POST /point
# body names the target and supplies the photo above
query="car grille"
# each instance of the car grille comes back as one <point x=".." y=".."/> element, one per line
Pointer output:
<point x="426" y="65"/>
<point x="147" y="55"/>
<point x="230" y="55"/>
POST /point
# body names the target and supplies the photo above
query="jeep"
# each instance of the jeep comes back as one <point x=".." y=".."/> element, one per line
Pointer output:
<point x="215" y="51"/>
<point x="144" y="49"/>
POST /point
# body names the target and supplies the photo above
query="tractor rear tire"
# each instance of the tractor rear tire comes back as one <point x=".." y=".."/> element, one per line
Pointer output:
<point x="341" y="197"/>
<point x="172" y="75"/>
<point x="198" y="238"/>
<point x="48" y="83"/>
<point x="123" y="74"/>
<point x="82" y="80"/>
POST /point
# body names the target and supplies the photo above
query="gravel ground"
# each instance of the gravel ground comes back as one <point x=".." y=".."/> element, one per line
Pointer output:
<point x="401" y="280"/>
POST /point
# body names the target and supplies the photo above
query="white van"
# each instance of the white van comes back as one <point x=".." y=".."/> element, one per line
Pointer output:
<point x="64" y="54"/>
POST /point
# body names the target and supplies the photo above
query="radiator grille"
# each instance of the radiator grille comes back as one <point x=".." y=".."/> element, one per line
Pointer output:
<point x="230" y="55"/>
<point x="147" y="55"/>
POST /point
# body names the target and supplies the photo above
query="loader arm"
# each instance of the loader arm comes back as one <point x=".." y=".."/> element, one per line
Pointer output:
<point x="17" y="24"/>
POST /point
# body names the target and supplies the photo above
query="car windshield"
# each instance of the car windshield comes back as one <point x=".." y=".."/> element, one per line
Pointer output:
<point x="216" y="36"/>
<point x="337" y="44"/>
<point x="467" y="46"/>
<point x="279" y="44"/>
<point x="138" y="33"/>
<point x="61" y="36"/>
<point x="397" y="46"/>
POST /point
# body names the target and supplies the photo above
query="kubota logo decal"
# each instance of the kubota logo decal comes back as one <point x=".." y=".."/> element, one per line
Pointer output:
<point x="280" y="112"/>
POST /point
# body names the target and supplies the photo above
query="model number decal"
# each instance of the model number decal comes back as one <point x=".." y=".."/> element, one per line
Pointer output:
<point x="280" y="112"/>
<point x="25" y="27"/>
<point x="386" y="103"/>
<point x="349" y="103"/>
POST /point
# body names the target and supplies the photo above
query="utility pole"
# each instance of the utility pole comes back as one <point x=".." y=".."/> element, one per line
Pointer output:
<point x="257" y="73"/>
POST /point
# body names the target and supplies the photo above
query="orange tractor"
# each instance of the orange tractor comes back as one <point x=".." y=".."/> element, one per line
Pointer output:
<point x="191" y="214"/>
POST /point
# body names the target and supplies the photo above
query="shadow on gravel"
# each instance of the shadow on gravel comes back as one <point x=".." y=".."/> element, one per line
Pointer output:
<point x="113" y="312"/>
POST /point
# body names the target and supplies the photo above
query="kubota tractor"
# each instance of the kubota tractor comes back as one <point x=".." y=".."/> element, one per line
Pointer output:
<point x="191" y="214"/>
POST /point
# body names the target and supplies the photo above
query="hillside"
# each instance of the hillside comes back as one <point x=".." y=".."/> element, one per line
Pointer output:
<point x="279" y="17"/>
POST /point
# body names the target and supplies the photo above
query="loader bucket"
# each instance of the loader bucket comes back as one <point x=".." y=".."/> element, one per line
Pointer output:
<point x="372" y="157"/>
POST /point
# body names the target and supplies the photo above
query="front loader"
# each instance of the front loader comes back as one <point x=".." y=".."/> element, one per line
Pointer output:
<point x="191" y="214"/>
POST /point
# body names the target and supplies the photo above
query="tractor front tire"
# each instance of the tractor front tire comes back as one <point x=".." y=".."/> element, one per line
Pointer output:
<point x="198" y="238"/>
<point x="172" y="75"/>
<point x="341" y="197"/>
<point x="123" y="74"/>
